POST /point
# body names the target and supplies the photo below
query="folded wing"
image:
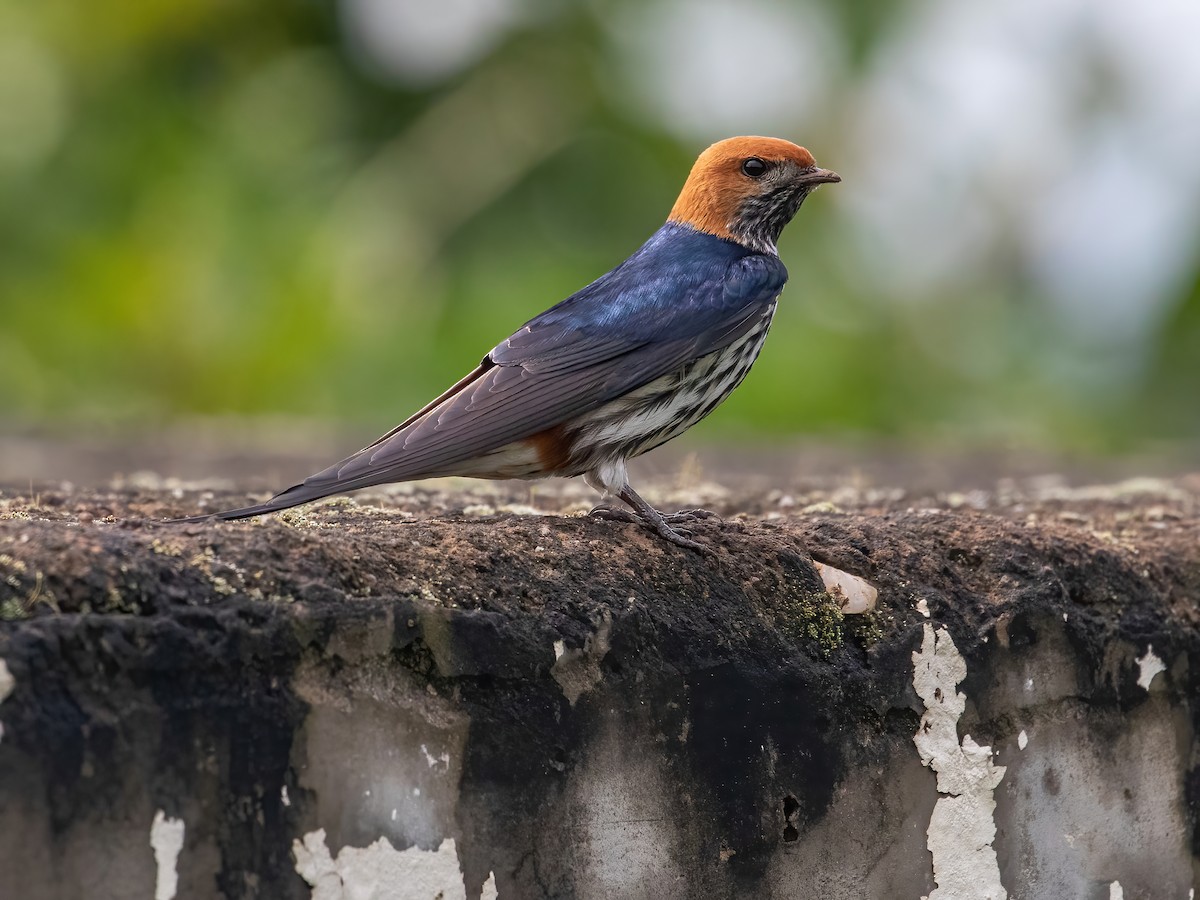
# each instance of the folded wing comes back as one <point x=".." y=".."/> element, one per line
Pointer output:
<point x="557" y="367"/>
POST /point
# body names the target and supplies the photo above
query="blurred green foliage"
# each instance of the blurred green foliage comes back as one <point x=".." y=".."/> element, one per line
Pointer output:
<point x="218" y="207"/>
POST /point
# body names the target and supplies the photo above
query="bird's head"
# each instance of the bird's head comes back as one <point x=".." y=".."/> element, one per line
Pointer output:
<point x="746" y="189"/>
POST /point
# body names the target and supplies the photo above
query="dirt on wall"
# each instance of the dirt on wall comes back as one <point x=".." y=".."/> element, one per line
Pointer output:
<point x="185" y="654"/>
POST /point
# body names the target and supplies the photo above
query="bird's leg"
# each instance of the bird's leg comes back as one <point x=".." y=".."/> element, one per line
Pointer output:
<point x="612" y="480"/>
<point x="655" y="520"/>
<point x="608" y="479"/>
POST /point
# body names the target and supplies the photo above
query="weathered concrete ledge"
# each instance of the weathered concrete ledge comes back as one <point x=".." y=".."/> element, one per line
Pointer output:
<point x="448" y="693"/>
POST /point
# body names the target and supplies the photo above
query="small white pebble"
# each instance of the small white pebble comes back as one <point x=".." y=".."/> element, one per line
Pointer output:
<point x="854" y="594"/>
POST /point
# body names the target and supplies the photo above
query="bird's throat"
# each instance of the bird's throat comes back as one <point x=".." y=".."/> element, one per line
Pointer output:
<point x="759" y="221"/>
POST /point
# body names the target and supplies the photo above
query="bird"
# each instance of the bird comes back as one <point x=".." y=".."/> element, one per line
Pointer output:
<point x="621" y="366"/>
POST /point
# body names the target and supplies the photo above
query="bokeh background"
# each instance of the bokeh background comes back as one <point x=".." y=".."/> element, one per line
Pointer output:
<point x="329" y="211"/>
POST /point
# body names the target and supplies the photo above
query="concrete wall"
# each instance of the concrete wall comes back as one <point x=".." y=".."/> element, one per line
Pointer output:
<point x="662" y="733"/>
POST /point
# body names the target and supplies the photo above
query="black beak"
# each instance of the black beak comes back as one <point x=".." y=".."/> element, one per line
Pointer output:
<point x="815" y="176"/>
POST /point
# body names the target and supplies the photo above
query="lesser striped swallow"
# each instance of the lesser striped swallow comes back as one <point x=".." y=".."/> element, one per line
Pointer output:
<point x="625" y="364"/>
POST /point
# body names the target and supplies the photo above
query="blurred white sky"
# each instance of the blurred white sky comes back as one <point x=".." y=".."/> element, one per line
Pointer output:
<point x="419" y="42"/>
<point x="1062" y="134"/>
<point x="1057" y="137"/>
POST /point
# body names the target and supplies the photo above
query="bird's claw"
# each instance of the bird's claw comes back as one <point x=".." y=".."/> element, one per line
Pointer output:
<point x="690" y="515"/>
<point x="680" y="536"/>
<point x="608" y="513"/>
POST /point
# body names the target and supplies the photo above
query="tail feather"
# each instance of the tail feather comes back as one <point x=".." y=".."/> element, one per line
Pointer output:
<point x="293" y="496"/>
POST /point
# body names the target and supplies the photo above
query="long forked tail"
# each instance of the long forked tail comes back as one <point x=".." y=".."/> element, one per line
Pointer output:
<point x="293" y="496"/>
<point x="363" y="469"/>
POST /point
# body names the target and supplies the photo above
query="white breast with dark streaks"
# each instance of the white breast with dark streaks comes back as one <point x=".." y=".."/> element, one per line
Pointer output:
<point x="666" y="407"/>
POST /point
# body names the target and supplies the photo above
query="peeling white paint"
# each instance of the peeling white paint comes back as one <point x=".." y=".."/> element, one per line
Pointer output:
<point x="1149" y="666"/>
<point x="166" y="839"/>
<point x="853" y="594"/>
<point x="923" y="607"/>
<point x="1022" y="740"/>
<point x="1115" y="891"/>
<point x="381" y="872"/>
<point x="7" y="682"/>
<point x="489" y="891"/>
<point x="578" y="671"/>
<point x="962" y="826"/>
<point x="441" y="761"/>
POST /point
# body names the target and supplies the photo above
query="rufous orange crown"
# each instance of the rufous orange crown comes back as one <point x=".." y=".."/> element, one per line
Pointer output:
<point x="716" y="186"/>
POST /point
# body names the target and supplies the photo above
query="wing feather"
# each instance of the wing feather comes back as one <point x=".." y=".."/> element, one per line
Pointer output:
<point x="509" y="403"/>
<point x="621" y="332"/>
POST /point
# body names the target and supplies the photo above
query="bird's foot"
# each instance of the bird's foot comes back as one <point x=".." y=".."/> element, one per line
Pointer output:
<point x="660" y="525"/>
<point x="643" y="513"/>
<point x="689" y="515"/>
<point x="677" y="536"/>
<point x="609" y="513"/>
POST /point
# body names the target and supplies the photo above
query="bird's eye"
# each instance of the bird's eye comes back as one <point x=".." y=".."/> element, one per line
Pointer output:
<point x="754" y="167"/>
